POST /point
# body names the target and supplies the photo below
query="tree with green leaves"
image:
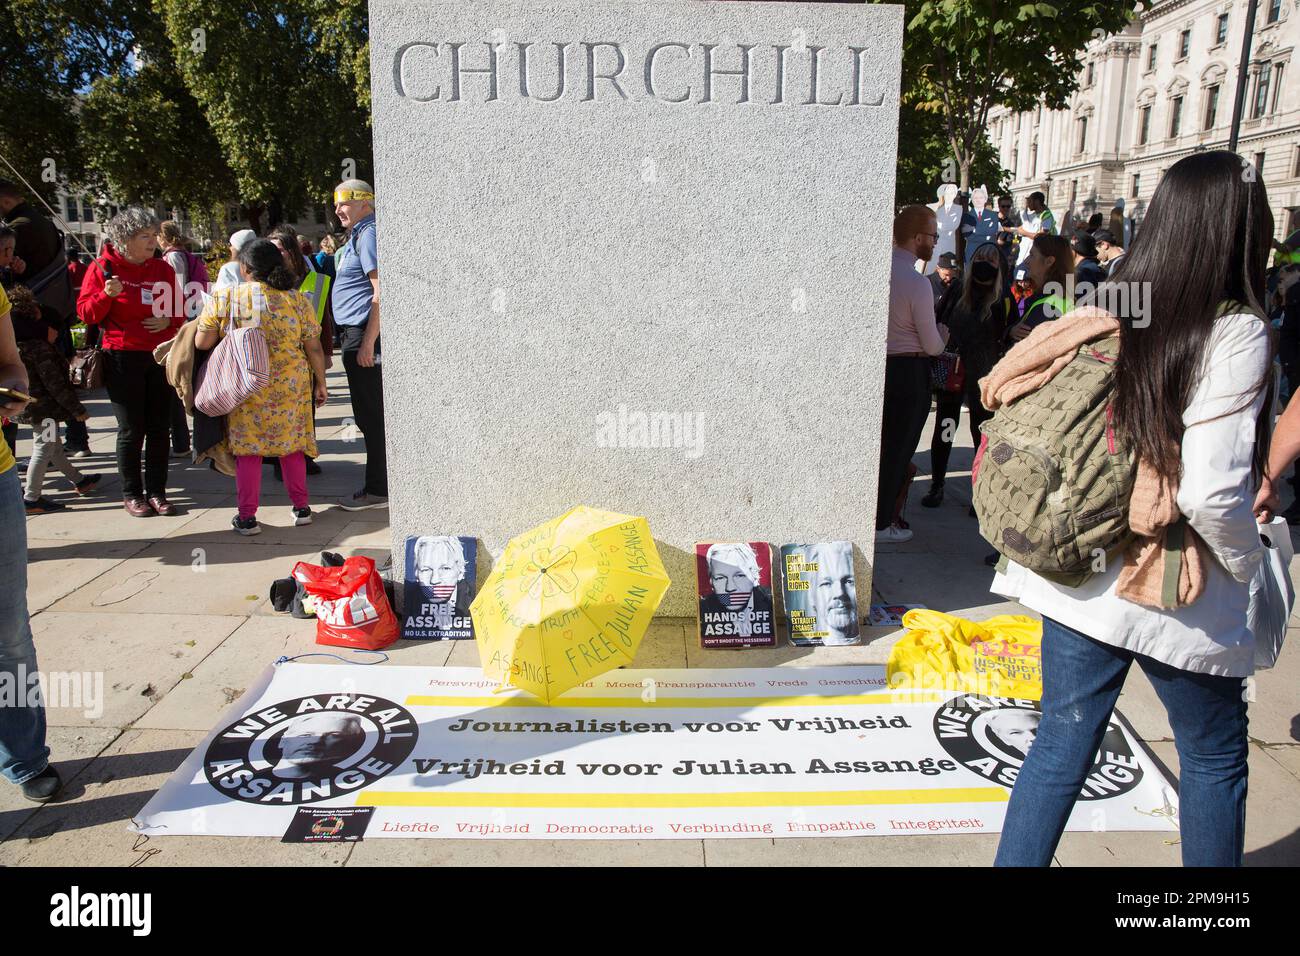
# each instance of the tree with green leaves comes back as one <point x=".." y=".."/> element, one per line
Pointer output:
<point x="281" y="85"/>
<point x="145" y="140"/>
<point x="968" y="56"/>
<point x="925" y="157"/>
<point x="50" y="53"/>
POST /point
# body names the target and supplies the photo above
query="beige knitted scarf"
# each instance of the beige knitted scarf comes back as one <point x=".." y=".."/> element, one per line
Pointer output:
<point x="1162" y="536"/>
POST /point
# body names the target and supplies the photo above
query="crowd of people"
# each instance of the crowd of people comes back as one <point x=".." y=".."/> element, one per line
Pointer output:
<point x="1191" y="398"/>
<point x="151" y="320"/>
<point x="1009" y="279"/>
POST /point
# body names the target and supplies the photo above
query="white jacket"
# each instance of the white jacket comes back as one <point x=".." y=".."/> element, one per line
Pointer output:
<point x="1216" y="495"/>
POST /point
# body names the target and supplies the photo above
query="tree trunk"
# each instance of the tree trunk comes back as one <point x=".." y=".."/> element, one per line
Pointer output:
<point x="253" y="213"/>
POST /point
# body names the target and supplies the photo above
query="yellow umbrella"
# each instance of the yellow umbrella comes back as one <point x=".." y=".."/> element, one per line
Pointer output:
<point x="568" y="600"/>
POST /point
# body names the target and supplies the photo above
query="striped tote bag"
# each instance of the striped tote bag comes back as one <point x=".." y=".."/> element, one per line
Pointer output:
<point x="239" y="368"/>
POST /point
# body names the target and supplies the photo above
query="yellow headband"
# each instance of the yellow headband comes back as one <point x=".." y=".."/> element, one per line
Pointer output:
<point x="348" y="195"/>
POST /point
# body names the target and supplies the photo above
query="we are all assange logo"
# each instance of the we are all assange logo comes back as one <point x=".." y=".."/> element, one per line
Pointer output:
<point x="992" y="736"/>
<point x="310" y="749"/>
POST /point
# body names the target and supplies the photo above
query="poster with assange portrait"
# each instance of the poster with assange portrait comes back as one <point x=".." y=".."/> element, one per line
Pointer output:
<point x="818" y="593"/>
<point x="734" y="583"/>
<point x="440" y="580"/>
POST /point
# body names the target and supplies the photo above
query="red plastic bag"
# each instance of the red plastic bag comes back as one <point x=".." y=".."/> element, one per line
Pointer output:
<point x="352" y="609"/>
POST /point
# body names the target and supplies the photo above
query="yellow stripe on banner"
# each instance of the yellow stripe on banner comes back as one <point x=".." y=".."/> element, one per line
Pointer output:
<point x="575" y="703"/>
<point x="651" y="801"/>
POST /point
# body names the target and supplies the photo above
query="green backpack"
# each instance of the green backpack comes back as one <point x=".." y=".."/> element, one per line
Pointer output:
<point x="1051" y="479"/>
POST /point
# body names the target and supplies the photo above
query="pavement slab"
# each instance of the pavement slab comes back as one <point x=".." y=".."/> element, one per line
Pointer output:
<point x="1272" y="827"/>
<point x="275" y="515"/>
<point x="71" y="750"/>
<point x="57" y="567"/>
<point x="1287" y="756"/>
<point x="211" y="574"/>
<point x="218" y="680"/>
<point x="119" y="665"/>
<point x="91" y="828"/>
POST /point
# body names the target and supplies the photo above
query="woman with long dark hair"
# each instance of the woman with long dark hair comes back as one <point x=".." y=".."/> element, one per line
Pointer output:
<point x="278" y="419"/>
<point x="1190" y="400"/>
<point x="977" y="314"/>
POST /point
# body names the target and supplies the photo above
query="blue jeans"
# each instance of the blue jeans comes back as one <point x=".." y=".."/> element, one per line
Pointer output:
<point x="1081" y="681"/>
<point x="23" y="753"/>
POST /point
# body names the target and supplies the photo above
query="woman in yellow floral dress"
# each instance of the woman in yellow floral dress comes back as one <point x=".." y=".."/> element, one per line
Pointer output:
<point x="277" y="420"/>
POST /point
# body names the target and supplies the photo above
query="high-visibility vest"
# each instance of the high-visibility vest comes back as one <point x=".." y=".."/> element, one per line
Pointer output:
<point x="316" y="287"/>
<point x="1059" y="303"/>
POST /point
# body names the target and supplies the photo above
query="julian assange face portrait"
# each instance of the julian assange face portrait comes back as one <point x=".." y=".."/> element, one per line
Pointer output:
<point x="1014" y="729"/>
<point x="833" y="594"/>
<point x="733" y="568"/>
<point x="439" y="560"/>
<point x="314" y="743"/>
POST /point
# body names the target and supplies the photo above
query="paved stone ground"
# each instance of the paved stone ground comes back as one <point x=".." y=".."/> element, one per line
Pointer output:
<point x="174" y="612"/>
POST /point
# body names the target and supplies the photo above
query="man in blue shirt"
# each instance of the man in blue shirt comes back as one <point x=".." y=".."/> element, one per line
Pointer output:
<point x="355" y="298"/>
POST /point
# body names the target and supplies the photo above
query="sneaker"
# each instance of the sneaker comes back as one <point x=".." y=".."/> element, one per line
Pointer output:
<point x="137" y="507"/>
<point x="88" y="484"/>
<point x="934" y="497"/>
<point x="893" y="535"/>
<point x="245" y="526"/>
<point x="182" y="453"/>
<point x="43" y="787"/>
<point x="77" y="452"/>
<point x="301" y="516"/>
<point x="360" y="501"/>
<point x="42" y="506"/>
<point x="162" y="506"/>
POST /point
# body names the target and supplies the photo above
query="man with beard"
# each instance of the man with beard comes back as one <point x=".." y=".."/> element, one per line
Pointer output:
<point x="833" y="596"/>
<point x="912" y="340"/>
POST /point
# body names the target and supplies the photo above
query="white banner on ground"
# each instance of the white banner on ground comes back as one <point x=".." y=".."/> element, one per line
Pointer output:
<point x="635" y="754"/>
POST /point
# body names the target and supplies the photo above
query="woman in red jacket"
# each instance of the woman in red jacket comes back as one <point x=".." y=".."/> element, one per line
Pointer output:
<point x="133" y="298"/>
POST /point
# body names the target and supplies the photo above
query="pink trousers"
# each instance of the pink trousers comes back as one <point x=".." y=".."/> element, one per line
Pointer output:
<point x="248" y="481"/>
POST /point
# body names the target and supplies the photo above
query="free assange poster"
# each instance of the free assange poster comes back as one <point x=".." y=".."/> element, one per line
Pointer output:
<point x="440" y="576"/>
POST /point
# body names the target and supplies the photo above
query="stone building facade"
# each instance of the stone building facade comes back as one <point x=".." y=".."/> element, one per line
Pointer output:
<point x="1155" y="92"/>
